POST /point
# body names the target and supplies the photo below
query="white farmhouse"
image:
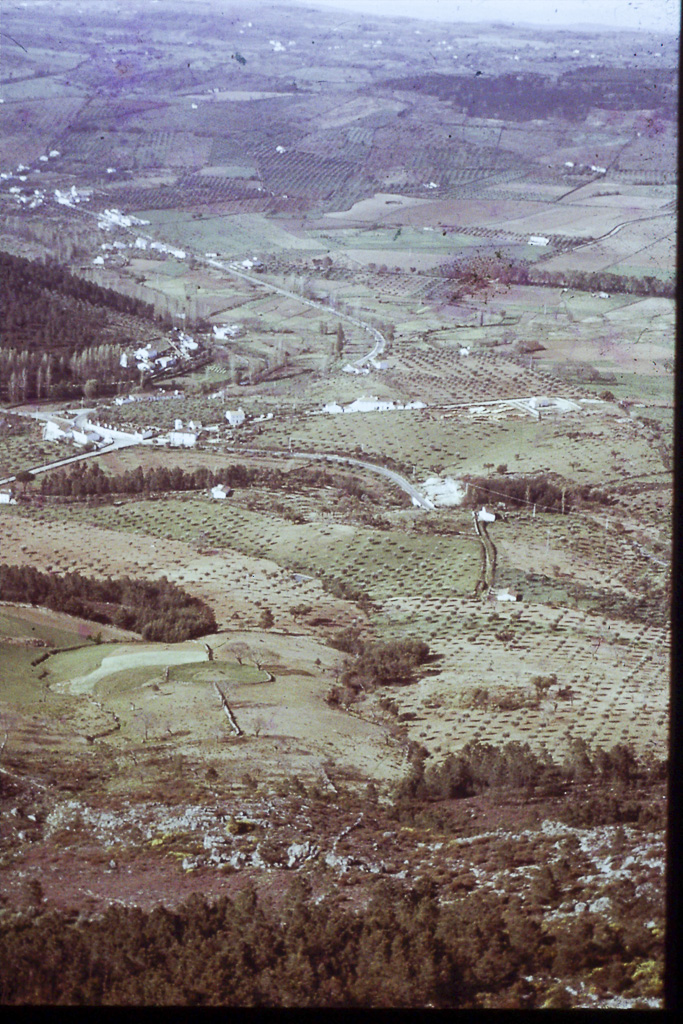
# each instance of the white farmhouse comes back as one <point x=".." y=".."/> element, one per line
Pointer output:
<point x="165" y="361"/>
<point x="219" y="492"/>
<point x="6" y="498"/>
<point x="372" y="404"/>
<point x="144" y="356"/>
<point x="538" y="240"/>
<point x="181" y="439"/>
<point x="55" y="430"/>
<point x="235" y="417"/>
<point x="486" y="517"/>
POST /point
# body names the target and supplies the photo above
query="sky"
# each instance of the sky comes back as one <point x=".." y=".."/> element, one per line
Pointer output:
<point x="653" y="15"/>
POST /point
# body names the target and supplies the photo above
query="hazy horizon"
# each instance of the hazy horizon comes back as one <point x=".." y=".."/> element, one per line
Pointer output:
<point x="646" y="15"/>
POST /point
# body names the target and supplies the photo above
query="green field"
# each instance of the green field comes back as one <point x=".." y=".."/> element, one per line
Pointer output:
<point x="20" y="681"/>
<point x="237" y="235"/>
<point x="119" y="679"/>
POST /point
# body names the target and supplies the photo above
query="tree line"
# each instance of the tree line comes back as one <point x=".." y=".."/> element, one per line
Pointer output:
<point x="95" y="369"/>
<point x="157" y="609"/>
<point x="600" y="786"/>
<point x="522" y="491"/>
<point x="83" y="481"/>
<point x="25" y="281"/>
<point x="54" y="336"/>
<point x="473" y="275"/>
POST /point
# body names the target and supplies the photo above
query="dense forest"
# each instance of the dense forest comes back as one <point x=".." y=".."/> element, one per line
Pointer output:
<point x="159" y="610"/>
<point x="405" y="950"/>
<point x="58" y="330"/>
<point x="527" y="96"/>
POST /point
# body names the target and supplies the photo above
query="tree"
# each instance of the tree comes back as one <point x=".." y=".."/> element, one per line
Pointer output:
<point x="25" y="477"/>
<point x="266" y="620"/>
<point x="91" y="388"/>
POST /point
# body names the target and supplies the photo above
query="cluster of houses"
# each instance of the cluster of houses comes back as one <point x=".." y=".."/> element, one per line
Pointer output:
<point x="108" y="219"/>
<point x="112" y="219"/>
<point x="376" y="364"/>
<point x="188" y="435"/>
<point x="147" y="358"/>
<point x="159" y="396"/>
<point x="82" y="431"/>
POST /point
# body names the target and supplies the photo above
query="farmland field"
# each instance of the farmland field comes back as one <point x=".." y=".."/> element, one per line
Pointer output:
<point x="354" y="339"/>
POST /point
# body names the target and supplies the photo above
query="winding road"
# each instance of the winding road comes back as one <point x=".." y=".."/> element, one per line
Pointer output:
<point x="396" y="478"/>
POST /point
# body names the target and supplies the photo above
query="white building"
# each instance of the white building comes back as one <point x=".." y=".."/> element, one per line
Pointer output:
<point x="181" y="439"/>
<point x="350" y="368"/>
<point x="57" y="430"/>
<point x="84" y="437"/>
<point x="225" y="331"/>
<point x="219" y="492"/>
<point x="164" y="361"/>
<point x="6" y="498"/>
<point x="144" y="357"/>
<point x="486" y="517"/>
<point x="236" y="417"/>
<point x="538" y="240"/>
<point x="372" y="404"/>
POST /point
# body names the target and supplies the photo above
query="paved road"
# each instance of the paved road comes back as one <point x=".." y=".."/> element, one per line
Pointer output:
<point x="395" y="478"/>
<point x="75" y="458"/>
<point x="380" y="340"/>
